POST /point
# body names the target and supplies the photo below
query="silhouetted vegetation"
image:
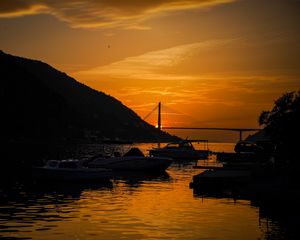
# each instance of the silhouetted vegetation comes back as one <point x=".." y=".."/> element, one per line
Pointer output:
<point x="282" y="125"/>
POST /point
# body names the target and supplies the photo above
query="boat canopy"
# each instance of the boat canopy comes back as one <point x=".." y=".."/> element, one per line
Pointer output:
<point x="134" y="152"/>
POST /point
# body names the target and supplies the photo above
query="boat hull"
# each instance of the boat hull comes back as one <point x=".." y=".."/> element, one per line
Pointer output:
<point x="133" y="163"/>
<point x="181" y="150"/>
<point x="178" y="154"/>
<point x="88" y="174"/>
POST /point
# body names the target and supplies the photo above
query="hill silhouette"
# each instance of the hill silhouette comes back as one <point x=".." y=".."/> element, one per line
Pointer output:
<point x="40" y="102"/>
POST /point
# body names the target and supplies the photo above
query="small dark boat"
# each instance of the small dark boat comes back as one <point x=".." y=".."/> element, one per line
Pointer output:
<point x="133" y="160"/>
<point x="182" y="150"/>
<point x="72" y="170"/>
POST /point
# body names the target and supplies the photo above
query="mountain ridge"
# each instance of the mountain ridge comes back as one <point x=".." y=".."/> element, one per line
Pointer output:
<point x="39" y="101"/>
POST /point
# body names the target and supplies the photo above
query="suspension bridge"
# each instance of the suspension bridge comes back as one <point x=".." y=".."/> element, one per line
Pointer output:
<point x="160" y="127"/>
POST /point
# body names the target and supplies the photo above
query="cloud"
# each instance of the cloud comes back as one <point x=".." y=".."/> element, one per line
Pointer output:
<point x="102" y="13"/>
<point x="11" y="9"/>
<point x="152" y="65"/>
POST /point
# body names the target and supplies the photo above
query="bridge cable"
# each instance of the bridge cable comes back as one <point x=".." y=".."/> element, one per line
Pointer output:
<point x="154" y="109"/>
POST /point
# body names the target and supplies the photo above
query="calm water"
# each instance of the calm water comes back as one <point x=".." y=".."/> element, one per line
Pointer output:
<point x="135" y="206"/>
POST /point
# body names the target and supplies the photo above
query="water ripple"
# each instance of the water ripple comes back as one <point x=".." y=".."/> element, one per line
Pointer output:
<point x="139" y="206"/>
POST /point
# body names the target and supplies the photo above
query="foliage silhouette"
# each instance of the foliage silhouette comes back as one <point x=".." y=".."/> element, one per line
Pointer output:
<point x="282" y="125"/>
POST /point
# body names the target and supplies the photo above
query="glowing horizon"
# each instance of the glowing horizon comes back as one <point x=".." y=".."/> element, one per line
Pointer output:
<point x="212" y="63"/>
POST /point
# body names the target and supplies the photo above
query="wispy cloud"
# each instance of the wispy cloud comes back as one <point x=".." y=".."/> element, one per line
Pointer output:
<point x="152" y="65"/>
<point x="103" y="13"/>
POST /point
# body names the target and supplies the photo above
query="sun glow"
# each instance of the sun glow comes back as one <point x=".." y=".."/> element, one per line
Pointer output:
<point x="206" y="59"/>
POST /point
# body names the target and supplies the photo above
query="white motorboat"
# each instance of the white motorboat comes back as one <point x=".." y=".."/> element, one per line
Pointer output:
<point x="182" y="150"/>
<point x="73" y="170"/>
<point x="133" y="160"/>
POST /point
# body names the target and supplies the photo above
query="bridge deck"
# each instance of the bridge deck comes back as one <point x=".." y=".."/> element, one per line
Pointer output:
<point x="240" y="130"/>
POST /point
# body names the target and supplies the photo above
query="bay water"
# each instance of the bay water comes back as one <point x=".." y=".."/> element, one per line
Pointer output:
<point x="135" y="206"/>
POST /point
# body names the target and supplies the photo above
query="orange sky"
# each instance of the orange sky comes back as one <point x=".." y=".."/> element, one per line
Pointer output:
<point x="212" y="63"/>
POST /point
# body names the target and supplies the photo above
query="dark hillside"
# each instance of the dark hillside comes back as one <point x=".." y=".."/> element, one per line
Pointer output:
<point x="40" y="102"/>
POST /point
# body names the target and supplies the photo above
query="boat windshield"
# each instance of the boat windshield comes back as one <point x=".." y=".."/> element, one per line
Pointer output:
<point x="180" y="145"/>
<point x="172" y="145"/>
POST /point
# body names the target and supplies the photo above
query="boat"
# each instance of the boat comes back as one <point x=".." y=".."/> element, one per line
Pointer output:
<point x="70" y="169"/>
<point x="248" y="151"/>
<point x="248" y="147"/>
<point x="182" y="150"/>
<point x="133" y="160"/>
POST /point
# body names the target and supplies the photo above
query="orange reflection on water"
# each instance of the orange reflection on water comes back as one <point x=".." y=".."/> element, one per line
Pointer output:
<point x="136" y="206"/>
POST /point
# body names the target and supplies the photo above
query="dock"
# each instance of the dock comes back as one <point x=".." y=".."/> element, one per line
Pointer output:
<point x="234" y="157"/>
<point x="220" y="178"/>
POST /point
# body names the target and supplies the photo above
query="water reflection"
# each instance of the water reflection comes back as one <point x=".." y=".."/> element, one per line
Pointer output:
<point x="136" y="179"/>
<point x="30" y="207"/>
<point x="278" y="215"/>
<point x="140" y="206"/>
<point x="26" y="207"/>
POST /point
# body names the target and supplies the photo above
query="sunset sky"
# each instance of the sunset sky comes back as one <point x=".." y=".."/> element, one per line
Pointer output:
<point x="212" y="63"/>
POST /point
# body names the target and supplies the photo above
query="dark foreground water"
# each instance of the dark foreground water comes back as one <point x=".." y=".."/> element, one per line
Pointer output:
<point x="138" y="206"/>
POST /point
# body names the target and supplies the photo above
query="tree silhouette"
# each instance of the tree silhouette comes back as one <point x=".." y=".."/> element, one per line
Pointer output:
<point x="282" y="124"/>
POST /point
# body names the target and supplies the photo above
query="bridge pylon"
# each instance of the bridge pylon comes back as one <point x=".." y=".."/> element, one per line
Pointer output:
<point x="159" y="116"/>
